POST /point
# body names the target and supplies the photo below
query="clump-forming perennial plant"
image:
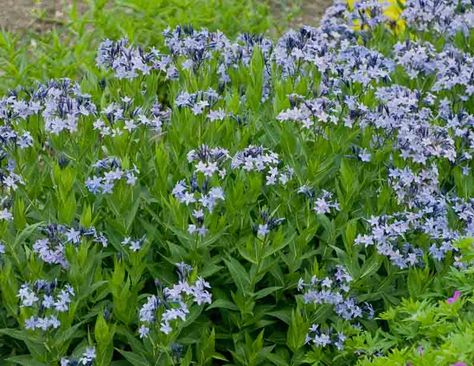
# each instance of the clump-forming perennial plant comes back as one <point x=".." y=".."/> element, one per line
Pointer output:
<point x="315" y="195"/>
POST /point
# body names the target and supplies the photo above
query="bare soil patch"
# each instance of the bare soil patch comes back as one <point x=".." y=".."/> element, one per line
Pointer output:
<point x="311" y="12"/>
<point x="296" y="13"/>
<point x="32" y="15"/>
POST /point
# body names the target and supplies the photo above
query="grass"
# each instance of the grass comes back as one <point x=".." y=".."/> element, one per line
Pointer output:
<point x="68" y="50"/>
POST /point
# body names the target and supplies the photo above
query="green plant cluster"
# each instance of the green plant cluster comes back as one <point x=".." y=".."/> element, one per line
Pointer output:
<point x="213" y="200"/>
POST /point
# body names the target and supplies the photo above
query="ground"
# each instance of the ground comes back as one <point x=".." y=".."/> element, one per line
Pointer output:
<point x="310" y="12"/>
<point x="37" y="15"/>
<point x="17" y="15"/>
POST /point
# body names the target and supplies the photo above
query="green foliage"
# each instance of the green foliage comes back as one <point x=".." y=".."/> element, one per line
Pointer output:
<point x="258" y="315"/>
<point x="425" y="329"/>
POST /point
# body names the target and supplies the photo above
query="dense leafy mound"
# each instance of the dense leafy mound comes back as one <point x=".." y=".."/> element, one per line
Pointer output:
<point x="247" y="202"/>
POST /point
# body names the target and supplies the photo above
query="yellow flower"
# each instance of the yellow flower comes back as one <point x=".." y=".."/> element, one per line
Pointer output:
<point x="393" y="12"/>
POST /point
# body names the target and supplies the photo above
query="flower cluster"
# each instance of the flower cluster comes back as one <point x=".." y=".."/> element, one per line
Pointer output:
<point x="64" y="103"/>
<point x="269" y="223"/>
<point x="46" y="300"/>
<point x="454" y="68"/>
<point x="415" y="57"/>
<point x="122" y="116"/>
<point x="292" y="48"/>
<point x="197" y="46"/>
<point x="333" y="291"/>
<point x="9" y="182"/>
<point x="172" y="303"/>
<point x="316" y="46"/>
<point x="194" y="46"/>
<point x="321" y="338"/>
<point x="133" y="245"/>
<point x="10" y="138"/>
<point x="443" y="16"/>
<point x="60" y="102"/>
<point x="367" y="14"/>
<point x="260" y="159"/>
<point x="13" y="108"/>
<point x="202" y="197"/>
<point x="187" y="48"/>
<point x="400" y="115"/>
<point x="465" y="212"/>
<point x="199" y="102"/>
<point x="110" y="171"/>
<point x="128" y="62"/>
<point x="386" y="233"/>
<point x="362" y="65"/>
<point x="209" y="160"/>
<point x="323" y="203"/>
<point x="426" y="212"/>
<point x="330" y="48"/>
<point x="414" y="189"/>
<point x="200" y="193"/>
<point x="406" y="109"/>
<point x="51" y="249"/>
<point x="311" y="113"/>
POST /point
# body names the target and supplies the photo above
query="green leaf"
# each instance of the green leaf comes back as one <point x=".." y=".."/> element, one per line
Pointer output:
<point x="347" y="176"/>
<point x="21" y="335"/>
<point x="238" y="273"/>
<point x="186" y="360"/>
<point x="371" y="266"/>
<point x="266" y="291"/>
<point x="25" y="360"/>
<point x="134" y="359"/>
<point x="26" y="233"/>
<point x="223" y="304"/>
<point x="297" y="331"/>
<point x="276" y="359"/>
<point x="101" y="330"/>
<point x="68" y="334"/>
